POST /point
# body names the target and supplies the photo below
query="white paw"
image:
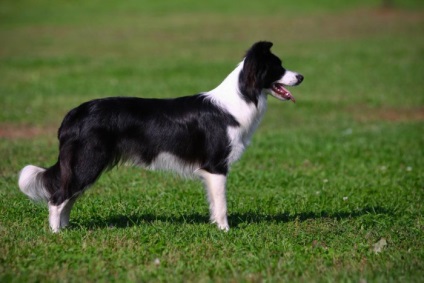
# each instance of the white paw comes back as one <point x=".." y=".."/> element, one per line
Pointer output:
<point x="223" y="224"/>
<point x="55" y="229"/>
<point x="223" y="227"/>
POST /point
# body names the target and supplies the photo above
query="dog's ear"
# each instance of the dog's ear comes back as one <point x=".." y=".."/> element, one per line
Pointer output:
<point x="262" y="46"/>
<point x="251" y="76"/>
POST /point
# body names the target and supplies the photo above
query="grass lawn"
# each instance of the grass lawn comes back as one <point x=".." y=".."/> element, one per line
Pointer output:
<point x="330" y="190"/>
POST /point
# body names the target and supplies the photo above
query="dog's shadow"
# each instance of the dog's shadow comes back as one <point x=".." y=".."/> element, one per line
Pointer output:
<point x="235" y="219"/>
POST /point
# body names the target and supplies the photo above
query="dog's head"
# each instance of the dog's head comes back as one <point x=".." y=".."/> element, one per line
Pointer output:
<point x="263" y="73"/>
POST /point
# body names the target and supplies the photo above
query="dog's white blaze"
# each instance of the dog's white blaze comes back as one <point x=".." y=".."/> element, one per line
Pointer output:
<point x="31" y="185"/>
<point x="289" y="78"/>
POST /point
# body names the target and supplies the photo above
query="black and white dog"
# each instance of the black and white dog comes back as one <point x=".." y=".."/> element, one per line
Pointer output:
<point x="199" y="136"/>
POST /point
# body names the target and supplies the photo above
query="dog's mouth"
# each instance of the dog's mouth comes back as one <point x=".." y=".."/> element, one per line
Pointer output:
<point x="280" y="92"/>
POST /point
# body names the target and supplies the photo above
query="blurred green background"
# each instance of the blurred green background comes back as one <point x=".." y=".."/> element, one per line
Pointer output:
<point x="324" y="181"/>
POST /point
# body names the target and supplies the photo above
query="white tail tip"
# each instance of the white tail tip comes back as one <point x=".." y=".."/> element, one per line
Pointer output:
<point x="30" y="183"/>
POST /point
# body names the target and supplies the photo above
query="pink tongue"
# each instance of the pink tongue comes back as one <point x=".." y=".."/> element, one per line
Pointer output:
<point x="284" y="92"/>
<point x="288" y="95"/>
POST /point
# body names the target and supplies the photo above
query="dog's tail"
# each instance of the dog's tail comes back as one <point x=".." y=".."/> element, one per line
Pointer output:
<point x="39" y="183"/>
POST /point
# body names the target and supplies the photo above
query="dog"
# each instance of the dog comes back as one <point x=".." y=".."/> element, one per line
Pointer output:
<point x="197" y="136"/>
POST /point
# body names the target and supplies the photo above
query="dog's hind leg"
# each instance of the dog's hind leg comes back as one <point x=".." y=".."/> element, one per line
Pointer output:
<point x="215" y="188"/>
<point x="80" y="168"/>
<point x="59" y="214"/>
<point x="66" y="212"/>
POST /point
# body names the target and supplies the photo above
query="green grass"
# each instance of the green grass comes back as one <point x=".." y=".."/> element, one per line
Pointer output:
<point x="323" y="181"/>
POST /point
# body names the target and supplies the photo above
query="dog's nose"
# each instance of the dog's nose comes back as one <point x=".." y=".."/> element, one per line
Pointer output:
<point x="299" y="78"/>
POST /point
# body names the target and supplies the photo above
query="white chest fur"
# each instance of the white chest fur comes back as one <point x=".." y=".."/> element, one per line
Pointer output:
<point x="248" y="115"/>
<point x="240" y="136"/>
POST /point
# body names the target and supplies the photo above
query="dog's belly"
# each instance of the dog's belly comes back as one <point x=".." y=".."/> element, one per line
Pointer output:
<point x="166" y="161"/>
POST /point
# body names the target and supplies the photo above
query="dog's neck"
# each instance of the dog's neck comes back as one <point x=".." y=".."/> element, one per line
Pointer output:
<point x="227" y="95"/>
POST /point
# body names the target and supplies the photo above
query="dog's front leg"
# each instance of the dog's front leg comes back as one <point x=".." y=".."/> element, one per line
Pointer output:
<point x="215" y="188"/>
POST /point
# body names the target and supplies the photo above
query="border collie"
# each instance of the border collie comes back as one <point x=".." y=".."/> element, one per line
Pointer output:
<point x="198" y="136"/>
